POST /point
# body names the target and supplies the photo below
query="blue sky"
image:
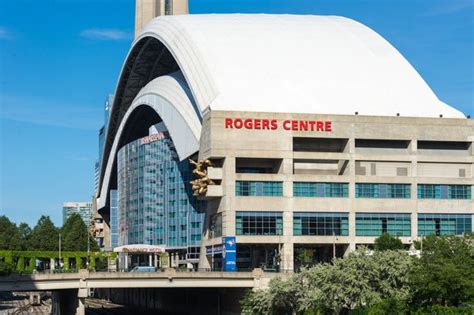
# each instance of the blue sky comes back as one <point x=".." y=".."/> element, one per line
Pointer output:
<point x="60" y="59"/>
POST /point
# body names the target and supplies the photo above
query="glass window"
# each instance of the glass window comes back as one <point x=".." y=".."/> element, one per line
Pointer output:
<point x="444" y="224"/>
<point x="312" y="189"/>
<point x="376" y="224"/>
<point x="258" y="188"/>
<point x="321" y="223"/>
<point x="437" y="191"/>
<point x="374" y="190"/>
<point x="259" y="223"/>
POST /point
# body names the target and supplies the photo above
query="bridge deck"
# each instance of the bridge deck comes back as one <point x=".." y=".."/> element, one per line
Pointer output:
<point x="167" y="279"/>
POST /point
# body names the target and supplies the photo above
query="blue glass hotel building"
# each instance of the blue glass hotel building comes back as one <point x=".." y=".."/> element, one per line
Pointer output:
<point x="154" y="204"/>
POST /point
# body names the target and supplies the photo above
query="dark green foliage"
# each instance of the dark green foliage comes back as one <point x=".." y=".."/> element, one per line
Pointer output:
<point x="387" y="242"/>
<point x="444" y="274"/>
<point x="444" y="310"/>
<point x="6" y="268"/>
<point x="44" y="235"/>
<point x="75" y="233"/>
<point x="389" y="306"/>
<point x="24" y="232"/>
<point x="9" y="236"/>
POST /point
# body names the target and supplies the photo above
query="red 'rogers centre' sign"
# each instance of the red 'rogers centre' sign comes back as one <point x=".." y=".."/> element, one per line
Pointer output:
<point x="273" y="124"/>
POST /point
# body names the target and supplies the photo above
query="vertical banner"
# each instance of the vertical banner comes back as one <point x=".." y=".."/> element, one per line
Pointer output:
<point x="230" y="253"/>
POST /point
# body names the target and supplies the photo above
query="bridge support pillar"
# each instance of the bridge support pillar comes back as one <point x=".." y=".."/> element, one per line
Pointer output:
<point x="81" y="298"/>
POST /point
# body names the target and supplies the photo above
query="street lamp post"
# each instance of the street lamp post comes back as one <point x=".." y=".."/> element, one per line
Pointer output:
<point x="59" y="249"/>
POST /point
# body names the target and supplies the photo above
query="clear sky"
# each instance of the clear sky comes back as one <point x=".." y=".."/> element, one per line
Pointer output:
<point x="60" y="59"/>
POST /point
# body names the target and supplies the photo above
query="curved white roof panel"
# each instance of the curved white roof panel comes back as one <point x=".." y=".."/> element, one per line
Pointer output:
<point x="294" y="63"/>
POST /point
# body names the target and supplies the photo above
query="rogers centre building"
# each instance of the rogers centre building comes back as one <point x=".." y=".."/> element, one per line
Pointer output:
<point x="321" y="135"/>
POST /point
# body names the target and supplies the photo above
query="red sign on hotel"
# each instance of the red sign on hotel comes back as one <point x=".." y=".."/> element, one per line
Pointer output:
<point x="273" y="124"/>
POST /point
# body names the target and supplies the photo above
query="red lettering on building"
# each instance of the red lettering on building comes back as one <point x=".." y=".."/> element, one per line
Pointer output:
<point x="327" y="126"/>
<point x="238" y="123"/>
<point x="274" y="124"/>
<point x="267" y="124"/>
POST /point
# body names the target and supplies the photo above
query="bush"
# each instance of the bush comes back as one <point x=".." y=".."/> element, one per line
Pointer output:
<point x="388" y="242"/>
<point x="6" y="268"/>
<point x="444" y="310"/>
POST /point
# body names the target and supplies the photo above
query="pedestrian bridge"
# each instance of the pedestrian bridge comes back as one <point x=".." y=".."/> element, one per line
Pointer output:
<point x="169" y="278"/>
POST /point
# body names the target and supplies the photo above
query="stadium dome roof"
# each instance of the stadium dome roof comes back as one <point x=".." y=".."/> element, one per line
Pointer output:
<point x="294" y="63"/>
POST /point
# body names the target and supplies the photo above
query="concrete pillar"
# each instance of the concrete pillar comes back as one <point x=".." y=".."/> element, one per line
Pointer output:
<point x="228" y="182"/>
<point x="150" y="260"/>
<point x="287" y="260"/>
<point x="414" y="226"/>
<point x="81" y="308"/>
<point x="352" y="230"/>
<point x="351" y="247"/>
<point x="51" y="264"/>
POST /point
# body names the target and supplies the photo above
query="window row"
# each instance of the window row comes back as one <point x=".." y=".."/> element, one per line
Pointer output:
<point x="258" y="188"/>
<point x="371" y="190"/>
<point x="362" y="190"/>
<point x="337" y="223"/>
<point x="311" y="189"/>
<point x="436" y="191"/>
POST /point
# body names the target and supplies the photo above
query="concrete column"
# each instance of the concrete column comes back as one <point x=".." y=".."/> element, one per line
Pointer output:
<point x="352" y="229"/>
<point x="150" y="260"/>
<point x="350" y="248"/>
<point x="228" y="182"/>
<point x="414" y="226"/>
<point x="287" y="257"/>
<point x="81" y="308"/>
<point x="51" y="264"/>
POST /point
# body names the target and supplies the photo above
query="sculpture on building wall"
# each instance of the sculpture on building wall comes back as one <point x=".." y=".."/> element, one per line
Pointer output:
<point x="199" y="185"/>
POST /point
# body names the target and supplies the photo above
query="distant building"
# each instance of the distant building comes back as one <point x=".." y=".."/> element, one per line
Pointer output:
<point x="99" y="228"/>
<point x="147" y="10"/>
<point x="107" y="107"/>
<point x="83" y="208"/>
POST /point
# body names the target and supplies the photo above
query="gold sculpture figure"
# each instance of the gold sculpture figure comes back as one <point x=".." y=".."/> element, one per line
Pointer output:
<point x="199" y="185"/>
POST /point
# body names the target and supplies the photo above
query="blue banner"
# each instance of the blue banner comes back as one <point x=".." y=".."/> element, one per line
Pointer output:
<point x="230" y="253"/>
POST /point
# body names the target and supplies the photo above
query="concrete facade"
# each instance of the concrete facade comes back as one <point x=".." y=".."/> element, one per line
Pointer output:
<point x="225" y="145"/>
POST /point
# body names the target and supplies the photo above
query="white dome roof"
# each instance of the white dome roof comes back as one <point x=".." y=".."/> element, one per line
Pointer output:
<point x="294" y="63"/>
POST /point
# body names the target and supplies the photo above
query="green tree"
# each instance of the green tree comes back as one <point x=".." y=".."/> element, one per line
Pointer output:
<point x="444" y="274"/>
<point x="388" y="242"/>
<point x="24" y="231"/>
<point x="75" y="233"/>
<point x="9" y="234"/>
<point x="44" y="235"/>
<point x="359" y="281"/>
